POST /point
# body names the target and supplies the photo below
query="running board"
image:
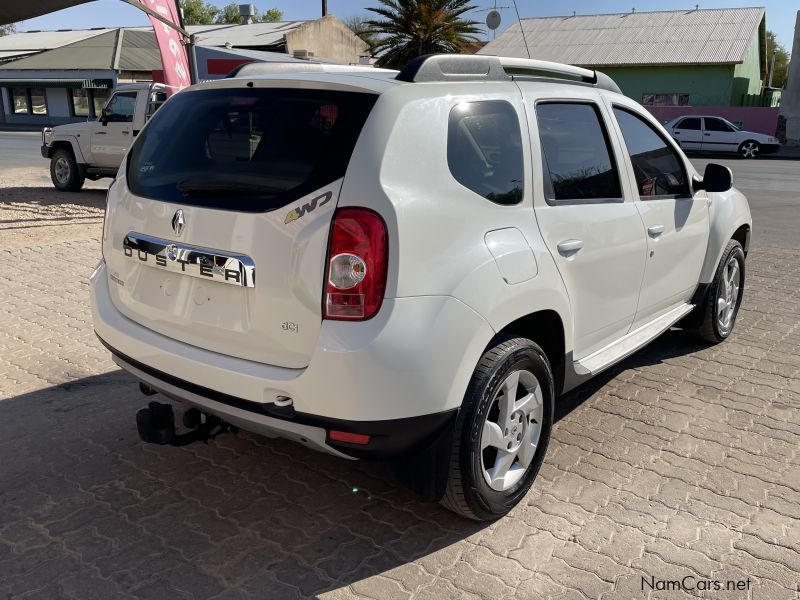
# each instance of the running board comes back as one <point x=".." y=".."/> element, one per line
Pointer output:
<point x="615" y="352"/>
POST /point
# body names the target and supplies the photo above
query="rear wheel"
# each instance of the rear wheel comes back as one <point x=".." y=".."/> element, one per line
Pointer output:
<point x="724" y="296"/>
<point x="64" y="171"/>
<point x="502" y="431"/>
<point x="749" y="149"/>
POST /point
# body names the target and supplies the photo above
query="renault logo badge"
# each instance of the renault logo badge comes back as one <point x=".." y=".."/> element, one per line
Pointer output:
<point x="178" y="221"/>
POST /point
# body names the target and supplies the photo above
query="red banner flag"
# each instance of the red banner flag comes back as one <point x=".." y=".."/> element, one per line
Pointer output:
<point x="170" y="44"/>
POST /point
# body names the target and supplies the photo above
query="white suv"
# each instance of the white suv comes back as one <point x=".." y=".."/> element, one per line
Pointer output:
<point x="409" y="265"/>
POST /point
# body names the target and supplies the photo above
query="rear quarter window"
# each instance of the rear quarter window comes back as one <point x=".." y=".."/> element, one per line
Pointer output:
<point x="484" y="150"/>
<point x="252" y="149"/>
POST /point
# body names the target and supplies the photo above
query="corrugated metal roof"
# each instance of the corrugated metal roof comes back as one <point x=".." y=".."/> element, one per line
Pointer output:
<point x="705" y="36"/>
<point x="37" y="41"/>
<point x="254" y="35"/>
<point x="137" y="52"/>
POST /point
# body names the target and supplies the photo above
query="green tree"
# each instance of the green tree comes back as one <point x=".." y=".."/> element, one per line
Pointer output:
<point x="411" y="28"/>
<point x="271" y="15"/>
<point x="198" y="12"/>
<point x="230" y="14"/>
<point x="360" y="26"/>
<point x="781" y="61"/>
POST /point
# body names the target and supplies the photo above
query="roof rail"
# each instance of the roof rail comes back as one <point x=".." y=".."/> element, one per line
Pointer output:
<point x="470" y="67"/>
<point x="254" y="69"/>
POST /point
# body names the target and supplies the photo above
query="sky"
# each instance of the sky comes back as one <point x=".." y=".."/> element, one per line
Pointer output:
<point x="781" y="14"/>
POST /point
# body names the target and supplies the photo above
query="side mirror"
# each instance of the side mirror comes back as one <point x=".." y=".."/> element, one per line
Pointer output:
<point x="716" y="178"/>
<point x="104" y="117"/>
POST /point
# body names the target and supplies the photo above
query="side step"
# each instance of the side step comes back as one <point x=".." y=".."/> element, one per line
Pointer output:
<point x="624" y="347"/>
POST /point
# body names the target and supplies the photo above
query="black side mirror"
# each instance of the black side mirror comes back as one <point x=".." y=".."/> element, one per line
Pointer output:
<point x="104" y="117"/>
<point x="716" y="178"/>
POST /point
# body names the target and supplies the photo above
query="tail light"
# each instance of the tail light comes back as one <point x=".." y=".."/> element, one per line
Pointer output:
<point x="355" y="274"/>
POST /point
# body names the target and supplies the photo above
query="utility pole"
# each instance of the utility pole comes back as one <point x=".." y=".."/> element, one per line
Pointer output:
<point x="324" y="7"/>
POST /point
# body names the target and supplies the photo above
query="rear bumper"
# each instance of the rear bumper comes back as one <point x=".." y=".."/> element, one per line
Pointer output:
<point x="399" y="377"/>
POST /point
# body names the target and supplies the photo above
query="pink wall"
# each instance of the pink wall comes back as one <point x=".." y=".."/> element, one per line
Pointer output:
<point x="752" y="118"/>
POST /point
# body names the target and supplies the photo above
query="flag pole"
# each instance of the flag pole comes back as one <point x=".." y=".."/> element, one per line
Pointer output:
<point x="189" y="38"/>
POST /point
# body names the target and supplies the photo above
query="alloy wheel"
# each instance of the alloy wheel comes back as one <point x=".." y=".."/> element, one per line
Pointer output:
<point x="728" y="295"/>
<point x="749" y="150"/>
<point x="511" y="430"/>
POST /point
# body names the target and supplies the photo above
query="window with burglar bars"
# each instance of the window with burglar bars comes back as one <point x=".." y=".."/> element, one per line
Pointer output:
<point x="676" y="99"/>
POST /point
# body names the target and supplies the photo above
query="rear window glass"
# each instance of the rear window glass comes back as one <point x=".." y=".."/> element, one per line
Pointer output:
<point x="250" y="150"/>
<point x="484" y="150"/>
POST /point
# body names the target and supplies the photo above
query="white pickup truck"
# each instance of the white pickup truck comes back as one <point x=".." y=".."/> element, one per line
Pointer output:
<point x="94" y="149"/>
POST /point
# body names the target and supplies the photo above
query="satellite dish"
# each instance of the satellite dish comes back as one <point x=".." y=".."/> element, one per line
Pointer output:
<point x="493" y="19"/>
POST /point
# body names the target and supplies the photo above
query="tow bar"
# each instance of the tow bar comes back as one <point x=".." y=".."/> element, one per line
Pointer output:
<point x="156" y="425"/>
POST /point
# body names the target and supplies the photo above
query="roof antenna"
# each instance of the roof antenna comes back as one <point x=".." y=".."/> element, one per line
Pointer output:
<point x="633" y="10"/>
<point x="574" y="13"/>
<point x="521" y="30"/>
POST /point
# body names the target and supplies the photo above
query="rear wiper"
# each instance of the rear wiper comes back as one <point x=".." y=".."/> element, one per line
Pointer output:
<point x="215" y="188"/>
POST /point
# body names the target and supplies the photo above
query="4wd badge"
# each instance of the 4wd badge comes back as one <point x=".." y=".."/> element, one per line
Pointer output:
<point x="298" y="212"/>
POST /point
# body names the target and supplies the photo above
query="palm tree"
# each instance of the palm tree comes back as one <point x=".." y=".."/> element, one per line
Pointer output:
<point x="411" y="28"/>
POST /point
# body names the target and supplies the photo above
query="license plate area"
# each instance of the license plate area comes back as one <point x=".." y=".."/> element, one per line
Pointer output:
<point x="193" y="261"/>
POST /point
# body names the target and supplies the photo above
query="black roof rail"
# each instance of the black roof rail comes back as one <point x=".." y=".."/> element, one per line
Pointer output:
<point x="470" y="67"/>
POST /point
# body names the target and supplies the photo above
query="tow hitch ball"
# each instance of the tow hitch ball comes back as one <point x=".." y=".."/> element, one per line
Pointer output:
<point x="156" y="425"/>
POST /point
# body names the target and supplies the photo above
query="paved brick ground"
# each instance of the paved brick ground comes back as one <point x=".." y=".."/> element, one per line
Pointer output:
<point x="681" y="461"/>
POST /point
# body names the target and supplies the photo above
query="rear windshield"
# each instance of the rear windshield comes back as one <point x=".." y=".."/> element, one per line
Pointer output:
<point x="251" y="149"/>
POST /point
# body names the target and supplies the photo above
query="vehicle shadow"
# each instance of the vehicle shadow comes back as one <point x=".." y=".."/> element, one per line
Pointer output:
<point x="673" y="343"/>
<point x="261" y="517"/>
<point x="266" y="517"/>
<point x="49" y="196"/>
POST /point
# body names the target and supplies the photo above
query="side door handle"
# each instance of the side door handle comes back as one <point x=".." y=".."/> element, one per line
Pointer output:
<point x="569" y="247"/>
<point x="655" y="230"/>
<point x="125" y="132"/>
<point x="100" y="133"/>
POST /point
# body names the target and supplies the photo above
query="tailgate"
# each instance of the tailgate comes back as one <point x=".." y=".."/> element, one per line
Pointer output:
<point x="218" y="235"/>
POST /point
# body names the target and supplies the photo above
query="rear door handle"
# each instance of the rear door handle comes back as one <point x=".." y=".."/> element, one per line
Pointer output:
<point x="569" y="247"/>
<point x="655" y="230"/>
<point x="126" y="132"/>
<point x="100" y="133"/>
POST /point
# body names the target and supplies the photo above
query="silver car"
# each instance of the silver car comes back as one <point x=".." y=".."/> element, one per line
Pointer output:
<point x="702" y="133"/>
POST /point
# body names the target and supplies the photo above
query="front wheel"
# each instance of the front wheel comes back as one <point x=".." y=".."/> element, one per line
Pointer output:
<point x="749" y="149"/>
<point x="724" y="296"/>
<point x="64" y="171"/>
<point x="502" y="431"/>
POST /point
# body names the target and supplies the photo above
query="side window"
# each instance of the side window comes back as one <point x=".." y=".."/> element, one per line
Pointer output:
<point x="692" y="123"/>
<point x="121" y="108"/>
<point x="578" y="161"/>
<point x="484" y="150"/>
<point x="717" y="125"/>
<point x="658" y="168"/>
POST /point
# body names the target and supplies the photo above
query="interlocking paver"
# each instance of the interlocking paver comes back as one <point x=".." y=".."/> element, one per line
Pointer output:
<point x="683" y="460"/>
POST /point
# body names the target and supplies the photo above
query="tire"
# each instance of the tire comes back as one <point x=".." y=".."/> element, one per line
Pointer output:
<point x="469" y="492"/>
<point x="749" y="149"/>
<point x="64" y="171"/>
<point x="717" y="321"/>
